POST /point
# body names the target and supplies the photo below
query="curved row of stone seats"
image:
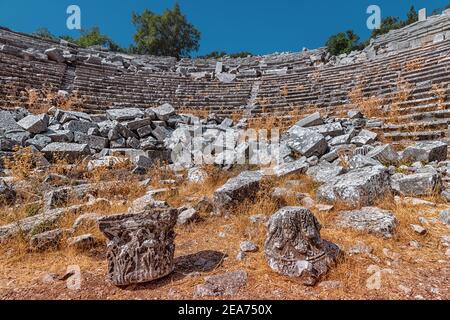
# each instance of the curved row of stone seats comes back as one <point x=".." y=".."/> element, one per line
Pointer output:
<point x="434" y="29"/>
<point x="106" y="87"/>
<point x="24" y="41"/>
<point x="379" y="70"/>
<point x="21" y="41"/>
<point x="18" y="75"/>
<point x="284" y="82"/>
<point x="254" y="65"/>
<point x="330" y="87"/>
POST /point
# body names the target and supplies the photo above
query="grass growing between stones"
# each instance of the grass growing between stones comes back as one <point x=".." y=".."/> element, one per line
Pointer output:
<point x="35" y="275"/>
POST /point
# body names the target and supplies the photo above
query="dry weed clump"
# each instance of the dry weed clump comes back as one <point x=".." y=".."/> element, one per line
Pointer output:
<point x="369" y="106"/>
<point x="282" y="122"/>
<point x="201" y="113"/>
<point x="41" y="100"/>
<point x="401" y="95"/>
<point x="415" y="64"/>
<point x="439" y="91"/>
<point x="21" y="163"/>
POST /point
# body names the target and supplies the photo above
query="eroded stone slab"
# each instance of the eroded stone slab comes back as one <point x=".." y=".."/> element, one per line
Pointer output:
<point x="237" y="189"/>
<point x="419" y="184"/>
<point x="324" y="171"/>
<point x="357" y="187"/>
<point x="370" y="219"/>
<point x="70" y="151"/>
<point x="426" y="151"/>
<point x="307" y="142"/>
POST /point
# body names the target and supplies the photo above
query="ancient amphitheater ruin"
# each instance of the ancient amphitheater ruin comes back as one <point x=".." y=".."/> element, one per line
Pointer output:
<point x="360" y="188"/>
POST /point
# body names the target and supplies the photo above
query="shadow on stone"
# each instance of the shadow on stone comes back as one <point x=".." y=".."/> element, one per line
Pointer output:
<point x="203" y="261"/>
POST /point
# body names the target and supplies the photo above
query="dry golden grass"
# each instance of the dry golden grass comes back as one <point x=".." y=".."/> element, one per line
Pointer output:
<point x="369" y="106"/>
<point x="284" y="91"/>
<point x="40" y="100"/>
<point x="440" y="93"/>
<point x="201" y="113"/>
<point x="414" y="65"/>
<point x="224" y="234"/>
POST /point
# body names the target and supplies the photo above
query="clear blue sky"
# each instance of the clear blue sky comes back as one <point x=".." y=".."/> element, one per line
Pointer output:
<point x="258" y="26"/>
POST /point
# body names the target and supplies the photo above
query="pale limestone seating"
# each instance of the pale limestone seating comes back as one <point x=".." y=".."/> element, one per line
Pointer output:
<point x="326" y="86"/>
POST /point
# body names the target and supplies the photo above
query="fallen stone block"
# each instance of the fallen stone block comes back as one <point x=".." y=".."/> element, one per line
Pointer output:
<point x="147" y="202"/>
<point x="139" y="123"/>
<point x="30" y="224"/>
<point x="419" y="229"/>
<point x="47" y="240"/>
<point x="69" y="151"/>
<point x="364" y="137"/>
<point x="187" y="216"/>
<point x="164" y="112"/>
<point x="369" y="219"/>
<point x="294" y="247"/>
<point x="419" y="184"/>
<point x="340" y="140"/>
<point x="140" y="246"/>
<point x="427" y="151"/>
<point x="310" y="121"/>
<point x="324" y="171"/>
<point x="61" y="136"/>
<point x="330" y="129"/>
<point x="82" y="243"/>
<point x="307" y="142"/>
<point x="445" y="217"/>
<point x="8" y="122"/>
<point x="96" y="143"/>
<point x="161" y="133"/>
<point x="79" y="126"/>
<point x="359" y="161"/>
<point x="295" y="167"/>
<point x="237" y="189"/>
<point x="357" y="187"/>
<point x="39" y="141"/>
<point x="385" y="154"/>
<point x="35" y="123"/>
<point x="124" y="114"/>
<point x="248" y="246"/>
<point x="106" y="161"/>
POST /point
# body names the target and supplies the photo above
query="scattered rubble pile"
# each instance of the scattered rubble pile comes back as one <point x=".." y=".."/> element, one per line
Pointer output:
<point x="342" y="155"/>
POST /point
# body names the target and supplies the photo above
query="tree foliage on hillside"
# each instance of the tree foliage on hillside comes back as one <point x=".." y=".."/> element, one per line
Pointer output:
<point x="345" y="42"/>
<point x="93" y="37"/>
<point x="87" y="38"/>
<point x="169" y="34"/>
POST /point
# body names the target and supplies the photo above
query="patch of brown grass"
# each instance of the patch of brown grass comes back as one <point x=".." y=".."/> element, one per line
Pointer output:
<point x="369" y="106"/>
<point x="415" y="64"/>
